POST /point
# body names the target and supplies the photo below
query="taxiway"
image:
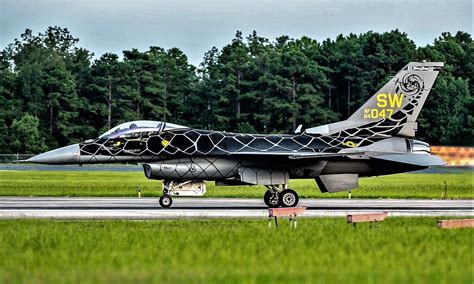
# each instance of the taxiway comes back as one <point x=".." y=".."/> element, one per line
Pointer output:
<point x="148" y="208"/>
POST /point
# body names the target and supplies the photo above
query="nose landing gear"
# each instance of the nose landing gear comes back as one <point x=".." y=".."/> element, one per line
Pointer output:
<point x="275" y="198"/>
<point x="165" y="201"/>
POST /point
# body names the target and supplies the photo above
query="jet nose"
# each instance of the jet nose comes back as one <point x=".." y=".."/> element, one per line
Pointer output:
<point x="65" y="155"/>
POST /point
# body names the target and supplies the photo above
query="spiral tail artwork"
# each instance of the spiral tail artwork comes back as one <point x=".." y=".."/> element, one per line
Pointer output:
<point x="398" y="103"/>
<point x="392" y="110"/>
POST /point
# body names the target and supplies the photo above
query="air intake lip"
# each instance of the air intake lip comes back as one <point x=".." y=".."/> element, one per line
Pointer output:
<point x="148" y="170"/>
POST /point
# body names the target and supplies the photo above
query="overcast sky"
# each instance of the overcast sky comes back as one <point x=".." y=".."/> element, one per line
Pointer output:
<point x="195" y="26"/>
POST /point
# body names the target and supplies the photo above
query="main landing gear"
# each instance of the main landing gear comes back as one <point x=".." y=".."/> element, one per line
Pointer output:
<point x="274" y="197"/>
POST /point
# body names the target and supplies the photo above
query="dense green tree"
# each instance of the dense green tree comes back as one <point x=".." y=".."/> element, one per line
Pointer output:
<point x="361" y="65"/>
<point x="106" y="73"/>
<point x="203" y="105"/>
<point x="79" y="64"/>
<point x="25" y="136"/>
<point x="208" y="104"/>
<point x="142" y="87"/>
<point x="446" y="117"/>
<point x="301" y="81"/>
<point x="233" y="63"/>
<point x="48" y="89"/>
<point x="177" y="78"/>
<point x="266" y="84"/>
<point x="10" y="104"/>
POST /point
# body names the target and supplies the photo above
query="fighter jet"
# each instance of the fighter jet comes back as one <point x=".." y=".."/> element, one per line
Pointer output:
<point x="377" y="139"/>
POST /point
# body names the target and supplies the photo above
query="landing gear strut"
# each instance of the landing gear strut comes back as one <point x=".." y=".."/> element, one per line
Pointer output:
<point x="165" y="199"/>
<point x="275" y="198"/>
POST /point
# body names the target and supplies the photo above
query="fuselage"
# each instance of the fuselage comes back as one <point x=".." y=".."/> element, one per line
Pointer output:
<point x="181" y="153"/>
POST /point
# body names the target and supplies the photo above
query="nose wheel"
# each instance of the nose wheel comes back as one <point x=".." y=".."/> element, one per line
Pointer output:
<point x="166" y="201"/>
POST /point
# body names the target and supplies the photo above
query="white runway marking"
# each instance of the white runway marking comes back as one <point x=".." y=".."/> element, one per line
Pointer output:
<point x="148" y="208"/>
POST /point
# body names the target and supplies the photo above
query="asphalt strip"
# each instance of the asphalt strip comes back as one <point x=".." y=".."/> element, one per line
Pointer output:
<point x="148" y="208"/>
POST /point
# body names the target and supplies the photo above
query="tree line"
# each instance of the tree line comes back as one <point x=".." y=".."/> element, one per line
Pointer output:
<point x="54" y="92"/>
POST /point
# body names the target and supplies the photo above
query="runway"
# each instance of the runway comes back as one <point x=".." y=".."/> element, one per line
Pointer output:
<point x="148" y="208"/>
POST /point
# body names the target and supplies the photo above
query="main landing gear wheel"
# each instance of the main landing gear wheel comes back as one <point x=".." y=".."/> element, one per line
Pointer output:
<point x="271" y="199"/>
<point x="288" y="198"/>
<point x="166" y="201"/>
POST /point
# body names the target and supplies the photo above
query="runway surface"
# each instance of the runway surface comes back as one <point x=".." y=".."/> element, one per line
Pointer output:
<point x="148" y="208"/>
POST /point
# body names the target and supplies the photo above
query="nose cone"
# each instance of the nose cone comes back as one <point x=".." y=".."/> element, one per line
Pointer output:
<point x="65" y="155"/>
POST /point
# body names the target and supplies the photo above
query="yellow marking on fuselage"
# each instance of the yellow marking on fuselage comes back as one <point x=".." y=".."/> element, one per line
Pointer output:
<point x="165" y="143"/>
<point x="350" y="144"/>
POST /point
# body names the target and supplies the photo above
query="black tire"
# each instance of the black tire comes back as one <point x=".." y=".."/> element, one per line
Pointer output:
<point x="288" y="198"/>
<point x="166" y="201"/>
<point x="270" y="201"/>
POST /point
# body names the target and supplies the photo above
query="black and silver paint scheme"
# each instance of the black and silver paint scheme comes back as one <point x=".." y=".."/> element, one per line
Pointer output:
<point x="378" y="139"/>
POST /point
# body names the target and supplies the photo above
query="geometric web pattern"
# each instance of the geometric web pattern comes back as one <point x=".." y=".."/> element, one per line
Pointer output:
<point x="187" y="142"/>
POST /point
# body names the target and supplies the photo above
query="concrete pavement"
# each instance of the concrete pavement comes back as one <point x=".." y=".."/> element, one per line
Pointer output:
<point x="148" y="208"/>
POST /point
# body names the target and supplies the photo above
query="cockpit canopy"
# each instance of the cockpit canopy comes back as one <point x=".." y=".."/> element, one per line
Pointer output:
<point x="139" y="126"/>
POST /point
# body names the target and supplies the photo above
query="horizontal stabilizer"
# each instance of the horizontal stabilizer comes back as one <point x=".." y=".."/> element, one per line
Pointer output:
<point x="412" y="159"/>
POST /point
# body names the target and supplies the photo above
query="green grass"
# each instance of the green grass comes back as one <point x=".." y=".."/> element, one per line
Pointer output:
<point x="49" y="183"/>
<point x="398" y="250"/>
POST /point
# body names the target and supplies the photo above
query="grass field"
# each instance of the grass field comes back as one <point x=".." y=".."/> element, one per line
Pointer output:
<point x="47" y="183"/>
<point x="399" y="250"/>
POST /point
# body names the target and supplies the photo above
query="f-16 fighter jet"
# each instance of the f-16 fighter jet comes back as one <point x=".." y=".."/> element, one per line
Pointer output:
<point x="376" y="140"/>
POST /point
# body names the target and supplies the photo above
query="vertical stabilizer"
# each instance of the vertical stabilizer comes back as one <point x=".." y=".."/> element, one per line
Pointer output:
<point x="394" y="108"/>
<point x="401" y="99"/>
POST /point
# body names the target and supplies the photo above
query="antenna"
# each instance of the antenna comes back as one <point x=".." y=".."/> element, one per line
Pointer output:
<point x="298" y="129"/>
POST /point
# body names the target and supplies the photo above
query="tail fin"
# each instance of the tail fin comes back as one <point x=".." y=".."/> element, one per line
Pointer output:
<point x="396" y="105"/>
<point x="401" y="99"/>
